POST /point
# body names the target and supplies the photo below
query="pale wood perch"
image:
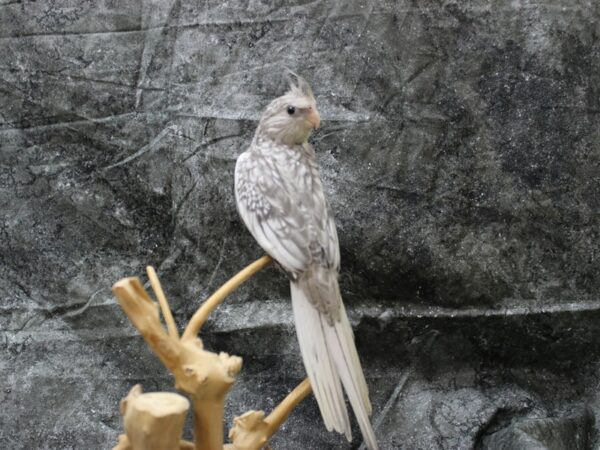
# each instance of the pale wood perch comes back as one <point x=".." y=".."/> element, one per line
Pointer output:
<point x="252" y="430"/>
<point x="153" y="420"/>
<point x="205" y="376"/>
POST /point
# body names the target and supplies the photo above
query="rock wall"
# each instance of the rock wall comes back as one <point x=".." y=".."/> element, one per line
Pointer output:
<point x="460" y="152"/>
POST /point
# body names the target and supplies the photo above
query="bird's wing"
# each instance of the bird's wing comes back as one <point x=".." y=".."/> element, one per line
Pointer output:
<point x="325" y="239"/>
<point x="272" y="212"/>
<point x="289" y="217"/>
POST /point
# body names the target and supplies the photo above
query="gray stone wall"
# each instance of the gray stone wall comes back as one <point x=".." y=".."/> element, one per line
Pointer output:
<point x="460" y="150"/>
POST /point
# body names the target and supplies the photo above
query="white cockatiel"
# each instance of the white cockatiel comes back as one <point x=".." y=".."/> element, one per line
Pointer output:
<point x="280" y="197"/>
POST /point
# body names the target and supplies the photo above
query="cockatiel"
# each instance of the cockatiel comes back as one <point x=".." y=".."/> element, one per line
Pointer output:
<point x="280" y="198"/>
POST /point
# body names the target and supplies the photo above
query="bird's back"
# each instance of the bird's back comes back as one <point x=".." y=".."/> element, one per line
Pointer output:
<point x="280" y="185"/>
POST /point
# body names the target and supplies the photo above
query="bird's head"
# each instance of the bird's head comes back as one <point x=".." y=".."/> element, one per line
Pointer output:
<point x="289" y="119"/>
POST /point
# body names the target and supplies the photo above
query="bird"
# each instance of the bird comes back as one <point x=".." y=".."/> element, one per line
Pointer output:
<point x="280" y="198"/>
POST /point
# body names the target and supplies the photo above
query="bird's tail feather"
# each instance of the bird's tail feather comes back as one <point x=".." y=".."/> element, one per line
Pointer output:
<point x="330" y="357"/>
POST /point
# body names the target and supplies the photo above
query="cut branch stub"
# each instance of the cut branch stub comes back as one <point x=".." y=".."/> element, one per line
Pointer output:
<point x="143" y="314"/>
<point x="154" y="420"/>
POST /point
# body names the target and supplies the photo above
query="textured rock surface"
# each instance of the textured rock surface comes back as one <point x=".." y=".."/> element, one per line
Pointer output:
<point x="461" y="153"/>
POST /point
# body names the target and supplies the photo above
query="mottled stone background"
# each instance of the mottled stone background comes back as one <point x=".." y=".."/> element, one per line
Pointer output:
<point x="461" y="152"/>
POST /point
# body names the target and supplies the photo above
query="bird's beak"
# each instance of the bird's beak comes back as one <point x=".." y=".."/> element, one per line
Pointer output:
<point x="314" y="118"/>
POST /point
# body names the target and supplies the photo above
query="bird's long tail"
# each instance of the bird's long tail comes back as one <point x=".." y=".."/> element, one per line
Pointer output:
<point x="329" y="354"/>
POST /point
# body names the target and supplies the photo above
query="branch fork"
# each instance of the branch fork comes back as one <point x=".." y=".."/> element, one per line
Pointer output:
<point x="205" y="376"/>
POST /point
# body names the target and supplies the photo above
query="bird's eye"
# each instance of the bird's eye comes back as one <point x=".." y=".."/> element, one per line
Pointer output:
<point x="291" y="110"/>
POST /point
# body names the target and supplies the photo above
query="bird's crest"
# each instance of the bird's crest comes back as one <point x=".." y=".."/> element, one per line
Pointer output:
<point x="299" y="87"/>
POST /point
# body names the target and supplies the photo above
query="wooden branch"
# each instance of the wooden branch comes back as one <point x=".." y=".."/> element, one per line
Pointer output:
<point x="153" y="420"/>
<point x="199" y="318"/>
<point x="162" y="301"/>
<point x="124" y="444"/>
<point x="251" y="430"/>
<point x="205" y="376"/>
<point x="283" y="410"/>
<point x="143" y="314"/>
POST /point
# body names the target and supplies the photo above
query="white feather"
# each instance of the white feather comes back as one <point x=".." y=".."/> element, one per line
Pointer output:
<point x="318" y="363"/>
<point x="341" y="346"/>
<point x="330" y="356"/>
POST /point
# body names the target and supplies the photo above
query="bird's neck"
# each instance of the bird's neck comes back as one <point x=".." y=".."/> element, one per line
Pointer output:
<point x="266" y="145"/>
